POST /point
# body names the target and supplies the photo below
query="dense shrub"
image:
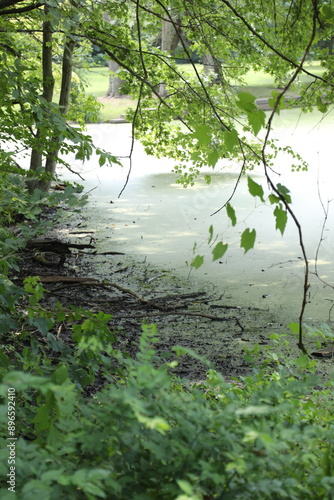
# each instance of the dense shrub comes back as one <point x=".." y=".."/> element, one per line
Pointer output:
<point x="148" y="435"/>
<point x="83" y="108"/>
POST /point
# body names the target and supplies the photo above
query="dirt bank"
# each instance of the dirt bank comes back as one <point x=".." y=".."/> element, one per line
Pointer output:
<point x="135" y="293"/>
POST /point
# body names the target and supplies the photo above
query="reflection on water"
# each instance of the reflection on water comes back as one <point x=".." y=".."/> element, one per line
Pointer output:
<point x="157" y="218"/>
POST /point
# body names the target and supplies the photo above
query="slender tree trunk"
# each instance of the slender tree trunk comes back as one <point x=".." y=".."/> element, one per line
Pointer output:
<point x="36" y="158"/>
<point x="169" y="40"/>
<point x="213" y="67"/>
<point x="66" y="81"/>
<point x="64" y="100"/>
<point x="115" y="82"/>
<point x="209" y="64"/>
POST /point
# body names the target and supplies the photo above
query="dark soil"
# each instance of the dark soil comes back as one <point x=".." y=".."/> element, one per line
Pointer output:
<point x="134" y="294"/>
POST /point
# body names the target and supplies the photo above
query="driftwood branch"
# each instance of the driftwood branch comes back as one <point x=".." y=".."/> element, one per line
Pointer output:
<point x="178" y="313"/>
<point x="164" y="309"/>
<point x="69" y="279"/>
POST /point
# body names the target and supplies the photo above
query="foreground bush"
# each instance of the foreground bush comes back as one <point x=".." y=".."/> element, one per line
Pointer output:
<point x="149" y="435"/>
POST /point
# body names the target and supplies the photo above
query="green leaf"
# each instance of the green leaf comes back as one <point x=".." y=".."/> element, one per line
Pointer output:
<point x="42" y="418"/>
<point x="273" y="199"/>
<point x="281" y="218"/>
<point x="42" y="324"/>
<point x="213" y="157"/>
<point x="294" y="327"/>
<point x="231" y="214"/>
<point x="52" y="475"/>
<point x="211" y="234"/>
<point x="303" y="362"/>
<point x="6" y="323"/>
<point x="203" y="135"/>
<point x="231" y="139"/>
<point x="257" y="120"/>
<point x="322" y="107"/>
<point x="197" y="261"/>
<point x="256" y="117"/>
<point x="246" y="102"/>
<point x="255" y="189"/>
<point x="248" y="239"/>
<point x="60" y="375"/>
<point x="185" y="487"/>
<point x="219" y="250"/>
<point x="284" y="192"/>
<point x="327" y="12"/>
<point x="4" y="360"/>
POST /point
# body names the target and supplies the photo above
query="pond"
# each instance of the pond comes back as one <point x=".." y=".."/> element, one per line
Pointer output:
<point x="158" y="220"/>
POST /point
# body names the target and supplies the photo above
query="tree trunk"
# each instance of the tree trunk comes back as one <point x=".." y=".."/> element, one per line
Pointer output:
<point x="115" y="82"/>
<point x="212" y="67"/>
<point x="64" y="100"/>
<point x="48" y="86"/>
<point x="36" y="161"/>
<point x="209" y="64"/>
<point x="66" y="77"/>
<point x="169" y="40"/>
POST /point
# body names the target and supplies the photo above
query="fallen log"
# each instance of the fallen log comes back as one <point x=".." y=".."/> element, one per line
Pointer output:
<point x="56" y="246"/>
<point x="68" y="279"/>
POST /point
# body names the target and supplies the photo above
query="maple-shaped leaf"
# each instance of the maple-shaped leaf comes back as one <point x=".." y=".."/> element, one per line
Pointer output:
<point x="197" y="261"/>
<point x="219" y="250"/>
<point x="248" y="239"/>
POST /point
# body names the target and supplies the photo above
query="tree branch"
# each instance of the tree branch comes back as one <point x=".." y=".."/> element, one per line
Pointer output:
<point x="5" y="12"/>
<point x="299" y="67"/>
<point x="274" y="188"/>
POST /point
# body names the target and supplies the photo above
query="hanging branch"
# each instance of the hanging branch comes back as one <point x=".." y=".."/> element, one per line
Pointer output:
<point x="299" y="67"/>
<point x="133" y="124"/>
<point x="321" y="239"/>
<point x="271" y="184"/>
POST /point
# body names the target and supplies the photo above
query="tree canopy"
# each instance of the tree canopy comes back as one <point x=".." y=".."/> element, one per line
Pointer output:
<point x="214" y="121"/>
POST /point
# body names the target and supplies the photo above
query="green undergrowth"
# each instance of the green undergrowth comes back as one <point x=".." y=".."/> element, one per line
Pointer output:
<point x="146" y="434"/>
<point x="149" y="435"/>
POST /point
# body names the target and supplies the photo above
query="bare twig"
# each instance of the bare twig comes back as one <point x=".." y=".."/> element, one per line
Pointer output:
<point x="234" y="189"/>
<point x="271" y="184"/>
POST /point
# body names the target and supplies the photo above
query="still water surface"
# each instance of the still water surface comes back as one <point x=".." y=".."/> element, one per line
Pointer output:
<point x="158" y="220"/>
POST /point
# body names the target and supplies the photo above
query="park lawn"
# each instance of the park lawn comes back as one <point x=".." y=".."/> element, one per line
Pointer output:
<point x="258" y="83"/>
<point x="97" y="80"/>
<point x="261" y="84"/>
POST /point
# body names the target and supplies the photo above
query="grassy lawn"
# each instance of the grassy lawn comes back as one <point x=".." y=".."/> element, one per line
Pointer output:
<point x="261" y="84"/>
<point x="97" y="81"/>
<point x="258" y="83"/>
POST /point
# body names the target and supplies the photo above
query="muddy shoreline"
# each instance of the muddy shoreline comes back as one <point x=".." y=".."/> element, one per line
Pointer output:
<point x="134" y="293"/>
